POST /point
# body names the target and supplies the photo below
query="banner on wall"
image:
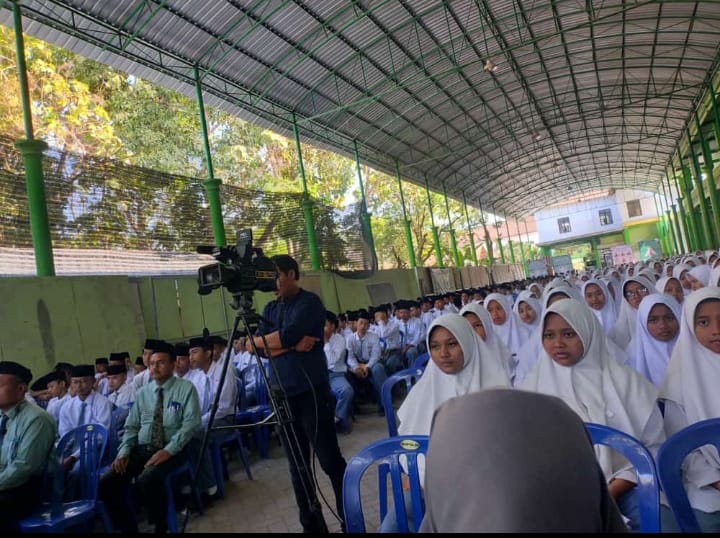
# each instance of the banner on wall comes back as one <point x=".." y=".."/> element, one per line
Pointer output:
<point x="622" y="254"/>
<point x="537" y="268"/>
<point x="562" y="264"/>
<point x="649" y="249"/>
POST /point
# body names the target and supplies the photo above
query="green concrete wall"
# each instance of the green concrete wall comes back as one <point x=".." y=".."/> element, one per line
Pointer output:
<point x="611" y="239"/>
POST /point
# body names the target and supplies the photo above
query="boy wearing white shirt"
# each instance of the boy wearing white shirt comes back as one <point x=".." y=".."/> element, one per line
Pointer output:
<point x="335" y="352"/>
<point x="412" y="332"/>
<point x="143" y="378"/>
<point x="389" y="332"/>
<point x="58" y="386"/>
<point x="120" y="391"/>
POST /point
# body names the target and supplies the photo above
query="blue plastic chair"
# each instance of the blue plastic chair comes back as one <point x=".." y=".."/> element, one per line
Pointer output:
<point x="256" y="413"/>
<point x="648" y="488"/>
<point x="387" y="452"/>
<point x="230" y="438"/>
<point x="669" y="462"/>
<point x="184" y="470"/>
<point x="410" y="377"/>
<point x="57" y="516"/>
<point x="421" y="360"/>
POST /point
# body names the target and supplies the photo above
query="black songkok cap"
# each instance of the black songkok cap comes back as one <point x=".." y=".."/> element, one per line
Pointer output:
<point x="164" y="347"/>
<point x="83" y="370"/>
<point x="139" y="361"/>
<point x="352" y="315"/>
<point x="217" y="339"/>
<point x="150" y="343"/>
<point x="331" y="317"/>
<point x="115" y="369"/>
<point x="364" y="314"/>
<point x="41" y="382"/>
<point x="199" y="341"/>
<point x="118" y="356"/>
<point x="182" y="349"/>
<point x="101" y="360"/>
<point x="55" y="375"/>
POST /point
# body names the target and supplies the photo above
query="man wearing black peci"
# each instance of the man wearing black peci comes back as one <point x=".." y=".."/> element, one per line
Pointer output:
<point x="294" y="336"/>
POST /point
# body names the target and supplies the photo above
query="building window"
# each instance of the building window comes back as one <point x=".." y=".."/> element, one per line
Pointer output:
<point x="605" y="217"/>
<point x="634" y="208"/>
<point x="564" y="225"/>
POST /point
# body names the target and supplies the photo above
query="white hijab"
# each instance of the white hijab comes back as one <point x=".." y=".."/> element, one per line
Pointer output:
<point x="597" y="388"/>
<point x="692" y="378"/>
<point x="435" y="386"/>
<point x="527" y="297"/>
<point x="701" y="273"/>
<point x="496" y="348"/>
<point x="646" y="354"/>
<point x="624" y="328"/>
<point x="513" y="332"/>
<point x="714" y="277"/>
<point x="607" y="315"/>
<point x="662" y="282"/>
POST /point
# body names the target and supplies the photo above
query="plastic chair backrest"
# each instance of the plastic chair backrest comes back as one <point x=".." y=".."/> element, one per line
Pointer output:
<point x="261" y="393"/>
<point x="421" y="360"/>
<point x="670" y="458"/>
<point x="91" y="441"/>
<point x="648" y="488"/>
<point x="387" y="453"/>
<point x="409" y="376"/>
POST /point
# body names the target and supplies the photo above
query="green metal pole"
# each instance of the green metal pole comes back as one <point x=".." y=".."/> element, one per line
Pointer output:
<point x="659" y="226"/>
<point x="365" y="219"/>
<point x="510" y="245"/>
<point x="500" y="245"/>
<point x="473" y="252"/>
<point x="453" y="242"/>
<point x="673" y="239"/>
<point x="689" y="247"/>
<point x="712" y="187"/>
<point x="709" y="237"/>
<point x="307" y="204"/>
<point x="594" y="245"/>
<point x="685" y="182"/>
<point x="406" y="222"/>
<point x="488" y="241"/>
<point x="32" y="153"/>
<point x="672" y="223"/>
<point x="436" y="237"/>
<point x="211" y="184"/>
<point x="522" y="249"/>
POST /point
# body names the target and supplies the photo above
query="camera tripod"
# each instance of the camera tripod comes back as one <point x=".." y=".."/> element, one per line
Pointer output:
<point x="280" y="415"/>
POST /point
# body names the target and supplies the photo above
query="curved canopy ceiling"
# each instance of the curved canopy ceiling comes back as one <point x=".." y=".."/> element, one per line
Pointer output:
<point x="515" y="104"/>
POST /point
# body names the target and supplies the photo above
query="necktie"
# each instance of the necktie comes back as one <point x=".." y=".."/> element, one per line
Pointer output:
<point x="81" y="420"/>
<point x="157" y="439"/>
<point x="3" y="429"/>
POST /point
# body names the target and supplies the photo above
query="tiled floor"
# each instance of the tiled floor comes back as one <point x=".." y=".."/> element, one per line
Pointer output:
<point x="267" y="503"/>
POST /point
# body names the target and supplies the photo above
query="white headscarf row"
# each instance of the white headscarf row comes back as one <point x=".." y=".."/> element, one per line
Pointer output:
<point x="513" y="332"/>
<point x="496" y="347"/>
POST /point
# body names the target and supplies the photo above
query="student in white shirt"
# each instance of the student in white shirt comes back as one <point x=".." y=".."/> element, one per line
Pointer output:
<point x="57" y="384"/>
<point x="185" y="370"/>
<point x="364" y="356"/>
<point x="412" y="332"/>
<point x="121" y="392"/>
<point x="143" y="378"/>
<point x="335" y="353"/>
<point x="388" y="331"/>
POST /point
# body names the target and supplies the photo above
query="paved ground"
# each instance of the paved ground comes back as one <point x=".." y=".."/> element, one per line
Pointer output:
<point x="267" y="503"/>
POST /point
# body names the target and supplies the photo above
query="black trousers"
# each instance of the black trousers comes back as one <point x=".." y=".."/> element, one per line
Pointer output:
<point x="314" y="425"/>
<point x="151" y="481"/>
<point x="19" y="502"/>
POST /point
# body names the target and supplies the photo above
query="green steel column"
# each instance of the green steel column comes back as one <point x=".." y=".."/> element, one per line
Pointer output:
<point x="510" y="245"/>
<point x="659" y="228"/>
<point x="685" y="187"/>
<point x="689" y="247"/>
<point x="488" y="241"/>
<point x="473" y="252"/>
<point x="673" y="240"/>
<point x="212" y="184"/>
<point x="522" y="249"/>
<point x="436" y="237"/>
<point x="626" y="236"/>
<point x="709" y="236"/>
<point x="32" y="153"/>
<point x="365" y="219"/>
<point x="674" y="225"/>
<point x="712" y="187"/>
<point x="594" y="245"/>
<point x="406" y="222"/>
<point x="499" y="239"/>
<point x="453" y="242"/>
<point x="307" y="204"/>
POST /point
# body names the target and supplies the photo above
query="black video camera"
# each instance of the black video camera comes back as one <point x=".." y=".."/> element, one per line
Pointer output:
<point x="240" y="268"/>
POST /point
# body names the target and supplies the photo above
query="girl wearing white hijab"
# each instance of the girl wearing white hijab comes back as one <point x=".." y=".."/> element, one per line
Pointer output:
<point x="669" y="285"/>
<point x="483" y="327"/>
<point x="575" y="365"/>
<point x="680" y="271"/>
<point x="506" y="323"/>
<point x="613" y="286"/>
<point x="699" y="276"/>
<point x="691" y="394"/>
<point x="634" y="289"/>
<point x="655" y="336"/>
<point x="536" y="289"/>
<point x="597" y="296"/>
<point x="460" y="363"/>
<point x="528" y="309"/>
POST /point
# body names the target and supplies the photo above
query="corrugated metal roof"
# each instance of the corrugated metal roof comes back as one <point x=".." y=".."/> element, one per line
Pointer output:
<point x="586" y="95"/>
